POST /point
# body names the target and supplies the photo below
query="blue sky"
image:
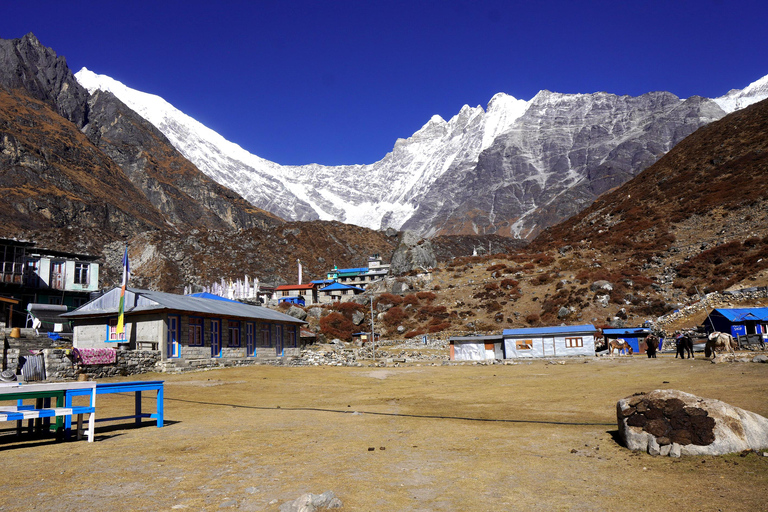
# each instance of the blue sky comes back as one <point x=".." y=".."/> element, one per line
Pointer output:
<point x="337" y="82"/>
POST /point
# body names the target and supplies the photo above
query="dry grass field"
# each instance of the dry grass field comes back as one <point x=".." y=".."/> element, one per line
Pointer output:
<point x="532" y="436"/>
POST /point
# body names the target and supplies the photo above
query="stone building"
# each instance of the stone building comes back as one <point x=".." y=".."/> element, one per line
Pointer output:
<point x="182" y="327"/>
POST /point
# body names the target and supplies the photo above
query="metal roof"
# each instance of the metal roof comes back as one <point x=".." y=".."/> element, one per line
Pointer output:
<point x="147" y="301"/>
<point x="339" y="286"/>
<point x="562" y="329"/>
<point x="628" y="330"/>
<point x="492" y="337"/>
<point x="206" y="295"/>
<point x="306" y="286"/>
<point x="743" y="314"/>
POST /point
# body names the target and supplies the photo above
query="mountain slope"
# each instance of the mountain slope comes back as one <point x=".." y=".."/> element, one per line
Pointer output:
<point x="53" y="177"/>
<point x="182" y="196"/>
<point x="698" y="217"/>
<point x="519" y="167"/>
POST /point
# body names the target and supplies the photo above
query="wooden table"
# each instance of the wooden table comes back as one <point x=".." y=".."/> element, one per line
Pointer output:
<point x="43" y="392"/>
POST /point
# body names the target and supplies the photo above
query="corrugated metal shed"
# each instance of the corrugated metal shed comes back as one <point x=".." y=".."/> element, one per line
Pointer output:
<point x="145" y="301"/>
<point x="636" y="331"/>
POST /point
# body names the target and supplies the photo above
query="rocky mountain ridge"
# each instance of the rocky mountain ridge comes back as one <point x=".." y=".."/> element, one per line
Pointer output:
<point x="512" y="169"/>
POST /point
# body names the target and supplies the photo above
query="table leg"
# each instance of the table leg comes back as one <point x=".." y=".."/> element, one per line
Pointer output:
<point x="138" y="407"/>
<point x="160" y="407"/>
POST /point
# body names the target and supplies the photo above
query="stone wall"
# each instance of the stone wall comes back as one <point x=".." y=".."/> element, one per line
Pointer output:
<point x="59" y="364"/>
<point x="729" y="299"/>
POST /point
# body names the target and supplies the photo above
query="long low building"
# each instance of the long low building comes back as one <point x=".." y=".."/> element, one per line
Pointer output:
<point x="564" y="340"/>
<point x="185" y="327"/>
<point x="561" y="341"/>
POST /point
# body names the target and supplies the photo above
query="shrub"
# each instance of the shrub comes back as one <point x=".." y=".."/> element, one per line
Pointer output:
<point x="411" y="299"/>
<point x="532" y="319"/>
<point x="509" y="284"/>
<point x="428" y="296"/>
<point x="336" y="325"/>
<point x="433" y="311"/>
<point x="388" y="298"/>
<point x="415" y="332"/>
<point x="439" y="327"/>
<point x="395" y="316"/>
<point x="348" y="308"/>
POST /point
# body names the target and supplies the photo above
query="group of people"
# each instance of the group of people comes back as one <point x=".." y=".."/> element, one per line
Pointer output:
<point x="683" y="344"/>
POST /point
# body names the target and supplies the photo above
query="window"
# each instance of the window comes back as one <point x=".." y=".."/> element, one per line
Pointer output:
<point x="112" y="330"/>
<point x="292" y="337"/>
<point x="266" y="338"/>
<point x="81" y="273"/>
<point x="574" y="342"/>
<point x="234" y="333"/>
<point x="523" y="344"/>
<point x="195" y="332"/>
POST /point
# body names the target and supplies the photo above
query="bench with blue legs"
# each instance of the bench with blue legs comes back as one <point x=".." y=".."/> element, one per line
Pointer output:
<point x="125" y="387"/>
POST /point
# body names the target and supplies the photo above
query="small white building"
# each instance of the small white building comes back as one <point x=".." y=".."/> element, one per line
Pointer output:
<point x="476" y="348"/>
<point x="564" y="340"/>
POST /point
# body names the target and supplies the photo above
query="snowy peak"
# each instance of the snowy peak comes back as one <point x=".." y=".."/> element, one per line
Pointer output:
<point x="737" y="99"/>
<point x="479" y="171"/>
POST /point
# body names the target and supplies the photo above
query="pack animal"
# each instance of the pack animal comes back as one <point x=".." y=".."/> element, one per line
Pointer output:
<point x="651" y="344"/>
<point x="620" y="345"/>
<point x="719" y="342"/>
<point x="683" y="345"/>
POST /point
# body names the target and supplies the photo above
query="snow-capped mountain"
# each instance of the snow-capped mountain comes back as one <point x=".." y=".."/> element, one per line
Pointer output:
<point x="511" y="169"/>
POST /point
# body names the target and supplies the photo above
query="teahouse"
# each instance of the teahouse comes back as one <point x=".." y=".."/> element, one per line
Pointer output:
<point x="185" y="327"/>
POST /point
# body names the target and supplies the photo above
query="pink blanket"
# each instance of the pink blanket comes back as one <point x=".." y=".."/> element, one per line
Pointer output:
<point x="95" y="355"/>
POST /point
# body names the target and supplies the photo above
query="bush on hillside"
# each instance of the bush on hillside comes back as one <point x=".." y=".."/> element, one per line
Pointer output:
<point x="336" y="325"/>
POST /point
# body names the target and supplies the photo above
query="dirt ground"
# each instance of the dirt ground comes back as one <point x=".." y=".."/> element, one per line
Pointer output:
<point x="528" y="436"/>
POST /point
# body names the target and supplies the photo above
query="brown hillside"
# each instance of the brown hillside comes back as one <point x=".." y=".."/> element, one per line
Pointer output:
<point x="53" y="177"/>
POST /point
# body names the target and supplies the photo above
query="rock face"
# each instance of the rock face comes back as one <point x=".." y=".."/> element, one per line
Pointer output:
<point x="26" y="64"/>
<point x="671" y="422"/>
<point x="413" y="253"/>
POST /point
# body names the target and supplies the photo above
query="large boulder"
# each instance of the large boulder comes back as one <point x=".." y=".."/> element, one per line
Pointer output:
<point x="296" y="312"/>
<point x="413" y="253"/>
<point x="671" y="422"/>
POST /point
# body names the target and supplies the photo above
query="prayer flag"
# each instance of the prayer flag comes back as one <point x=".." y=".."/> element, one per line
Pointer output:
<point x="121" y="309"/>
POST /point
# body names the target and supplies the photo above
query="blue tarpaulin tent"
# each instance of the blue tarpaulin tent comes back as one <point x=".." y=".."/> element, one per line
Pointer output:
<point x="632" y="335"/>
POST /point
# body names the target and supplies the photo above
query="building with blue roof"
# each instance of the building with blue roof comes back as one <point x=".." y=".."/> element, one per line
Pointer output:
<point x="738" y="321"/>
<point x="560" y="341"/>
<point x="360" y="276"/>
<point x="337" y="292"/>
